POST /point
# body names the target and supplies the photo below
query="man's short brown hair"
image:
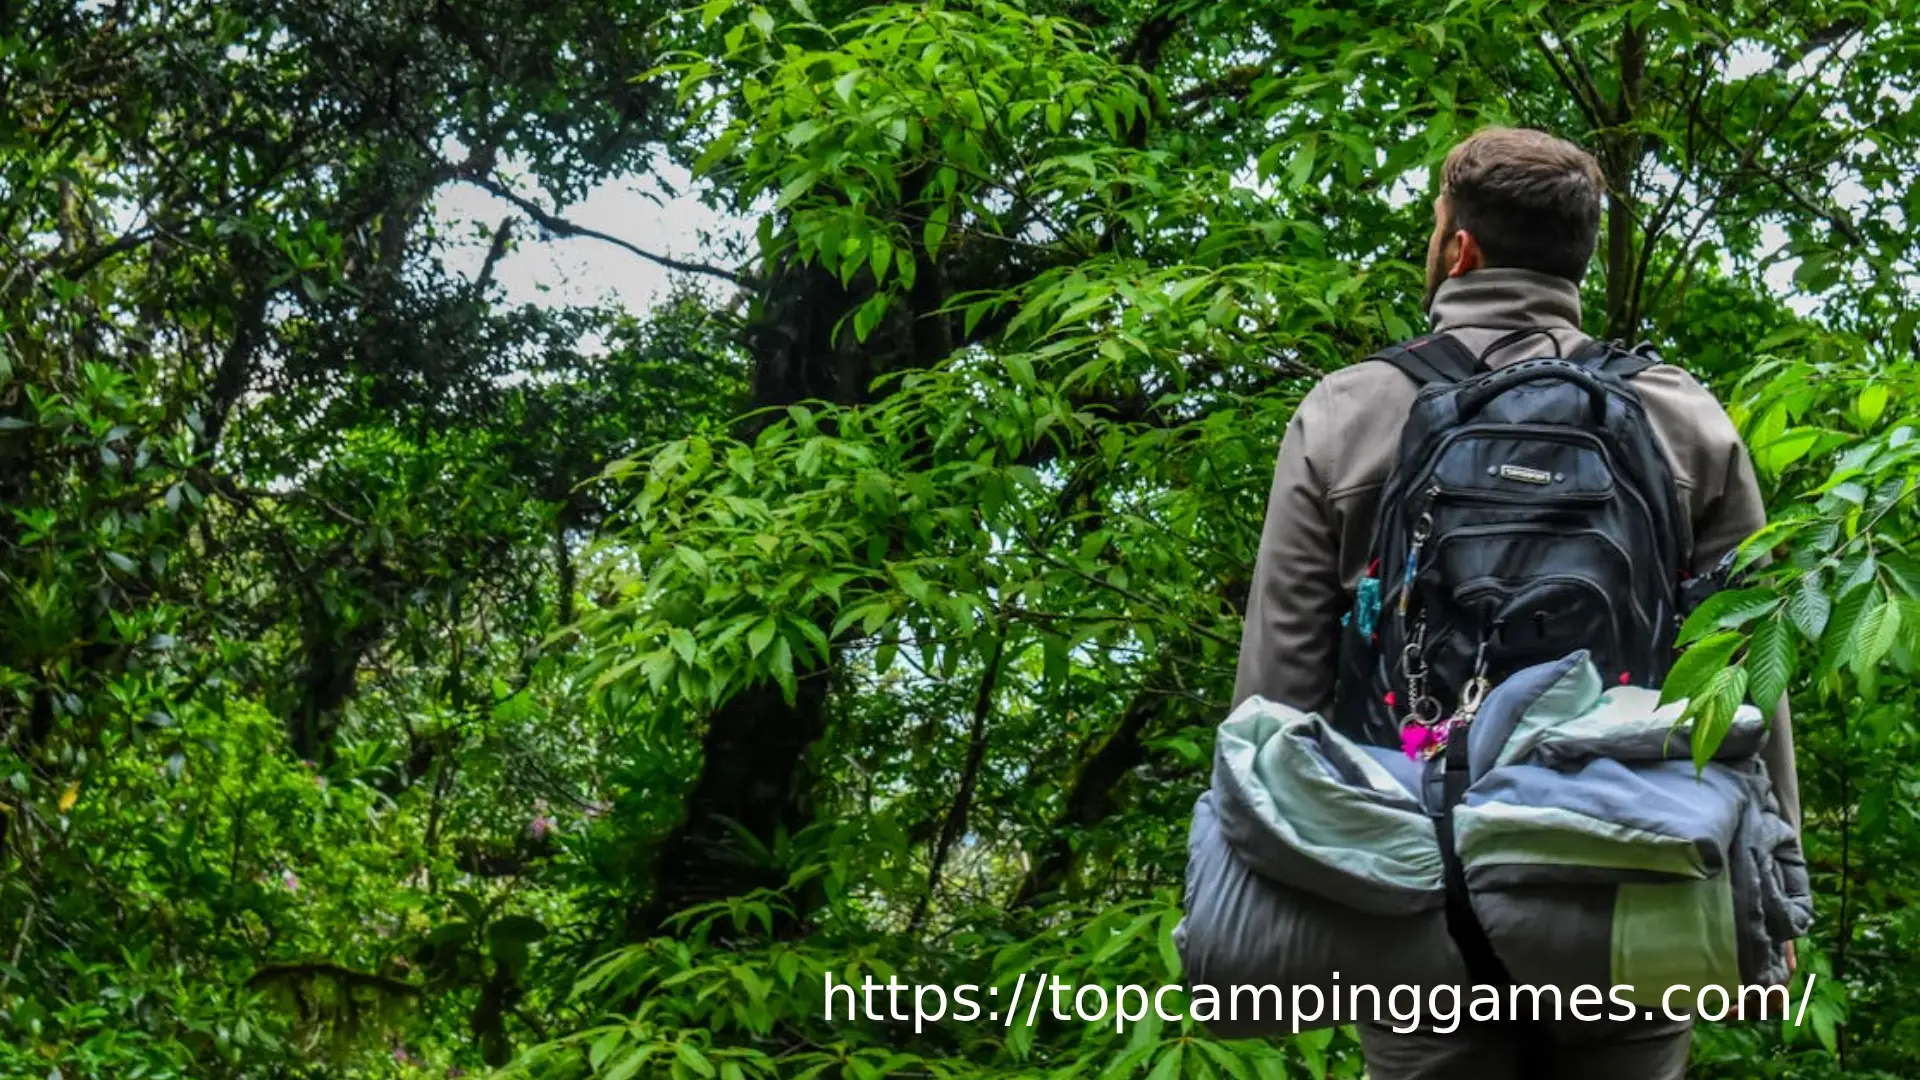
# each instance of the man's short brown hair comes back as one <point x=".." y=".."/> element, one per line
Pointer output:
<point x="1530" y="200"/>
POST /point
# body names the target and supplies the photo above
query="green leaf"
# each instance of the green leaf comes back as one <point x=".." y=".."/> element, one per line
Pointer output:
<point x="1824" y="1027"/>
<point x="1857" y="571"/>
<point x="780" y="661"/>
<point x="935" y="231"/>
<point x="1903" y="571"/>
<point x="692" y="559"/>
<point x="1760" y="545"/>
<point x="683" y="644"/>
<point x="844" y="85"/>
<point x="449" y="933"/>
<point x="1809" y="608"/>
<point x="1871" y="404"/>
<point x="1878" y="629"/>
<point x="508" y="940"/>
<point x="762" y="21"/>
<point x="1127" y="938"/>
<point x="1313" y="1050"/>
<point x="1168" y="1066"/>
<point x="1712" y="712"/>
<point x="1771" y="659"/>
<point x="692" y="1058"/>
<point x="1776" y="456"/>
<point x="629" y="1066"/>
<point x="1055" y="659"/>
<point x="1698" y="664"/>
<point x="604" y="1046"/>
<point x="868" y="316"/>
<point x="799" y="185"/>
<point x="1300" y="169"/>
<point x="761" y="635"/>
<point x="1839" y="643"/>
<point x="1169" y="954"/>
<point x="1727" y="610"/>
<point x="1229" y="1062"/>
<point x="517" y="928"/>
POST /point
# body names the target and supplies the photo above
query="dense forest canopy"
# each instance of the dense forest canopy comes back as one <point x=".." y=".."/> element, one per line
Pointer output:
<point x="400" y="682"/>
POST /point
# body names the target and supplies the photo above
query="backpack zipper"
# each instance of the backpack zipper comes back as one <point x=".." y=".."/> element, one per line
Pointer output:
<point x="1422" y="528"/>
<point x="1529" y="498"/>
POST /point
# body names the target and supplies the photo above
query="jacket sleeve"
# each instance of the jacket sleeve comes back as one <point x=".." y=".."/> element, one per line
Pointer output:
<point x="1288" y="647"/>
<point x="1728" y="508"/>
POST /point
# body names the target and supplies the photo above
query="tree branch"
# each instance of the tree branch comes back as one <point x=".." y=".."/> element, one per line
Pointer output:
<point x="1091" y="797"/>
<point x="501" y="237"/>
<point x="1588" y="108"/>
<point x="1143" y="49"/>
<point x="969" y="777"/>
<point x="560" y="226"/>
<point x="1749" y="162"/>
<point x="1236" y="83"/>
<point x="1657" y="224"/>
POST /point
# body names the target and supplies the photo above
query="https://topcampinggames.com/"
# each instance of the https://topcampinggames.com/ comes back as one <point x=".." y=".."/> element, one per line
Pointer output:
<point x="1440" y="1009"/>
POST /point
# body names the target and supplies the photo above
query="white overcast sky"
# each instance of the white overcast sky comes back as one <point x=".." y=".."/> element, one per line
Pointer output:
<point x="586" y="270"/>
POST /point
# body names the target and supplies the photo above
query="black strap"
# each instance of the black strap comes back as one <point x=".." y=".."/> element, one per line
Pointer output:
<point x="1521" y="334"/>
<point x="1483" y="964"/>
<point x="1435" y="358"/>
<point x="1610" y="358"/>
<point x="1440" y="358"/>
<point x="1475" y="949"/>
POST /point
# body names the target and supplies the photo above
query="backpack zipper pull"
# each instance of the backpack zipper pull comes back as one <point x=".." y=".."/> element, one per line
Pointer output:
<point x="1421" y="530"/>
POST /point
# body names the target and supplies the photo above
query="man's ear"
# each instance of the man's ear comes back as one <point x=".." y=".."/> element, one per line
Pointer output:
<point x="1466" y="254"/>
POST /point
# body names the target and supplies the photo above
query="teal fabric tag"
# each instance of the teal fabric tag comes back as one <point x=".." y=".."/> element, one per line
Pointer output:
<point x="1366" y="607"/>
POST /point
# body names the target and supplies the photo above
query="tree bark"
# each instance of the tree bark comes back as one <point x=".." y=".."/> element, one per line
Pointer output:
<point x="1620" y="151"/>
<point x="956" y="822"/>
<point x="753" y="773"/>
<point x="1093" y="797"/>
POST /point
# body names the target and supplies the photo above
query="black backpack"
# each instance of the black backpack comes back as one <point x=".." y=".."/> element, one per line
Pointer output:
<point x="1531" y="513"/>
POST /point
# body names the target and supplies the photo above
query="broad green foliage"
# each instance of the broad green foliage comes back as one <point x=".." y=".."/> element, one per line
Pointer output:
<point x="395" y="683"/>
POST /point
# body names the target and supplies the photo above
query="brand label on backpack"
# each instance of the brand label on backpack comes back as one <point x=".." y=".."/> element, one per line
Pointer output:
<point x="1525" y="475"/>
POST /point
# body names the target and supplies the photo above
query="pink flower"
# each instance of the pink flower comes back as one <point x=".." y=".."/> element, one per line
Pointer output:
<point x="540" y="826"/>
<point x="288" y="879"/>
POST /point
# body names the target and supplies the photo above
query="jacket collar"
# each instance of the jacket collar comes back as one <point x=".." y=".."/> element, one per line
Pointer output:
<point x="1505" y="299"/>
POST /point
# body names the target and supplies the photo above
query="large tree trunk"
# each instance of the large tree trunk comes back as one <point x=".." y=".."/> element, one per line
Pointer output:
<point x="1093" y="797"/>
<point x="1620" y="152"/>
<point x="753" y="772"/>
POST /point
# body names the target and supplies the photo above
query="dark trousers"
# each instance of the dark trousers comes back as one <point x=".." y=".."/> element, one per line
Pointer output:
<point x="1564" y="1050"/>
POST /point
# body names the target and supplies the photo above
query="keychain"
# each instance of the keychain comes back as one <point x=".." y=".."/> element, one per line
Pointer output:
<point x="1463" y="718"/>
<point x="1423" y="739"/>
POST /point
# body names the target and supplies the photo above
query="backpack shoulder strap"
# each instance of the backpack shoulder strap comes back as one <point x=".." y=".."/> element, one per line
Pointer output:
<point x="1435" y="358"/>
<point x="1613" y="359"/>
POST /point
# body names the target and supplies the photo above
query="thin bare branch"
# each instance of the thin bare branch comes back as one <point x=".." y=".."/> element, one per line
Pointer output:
<point x="560" y="226"/>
